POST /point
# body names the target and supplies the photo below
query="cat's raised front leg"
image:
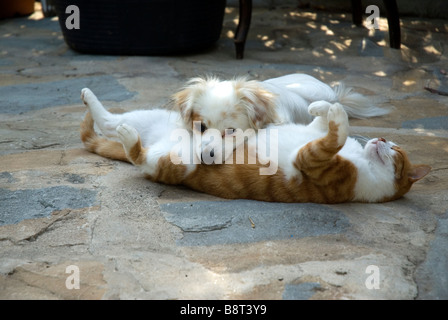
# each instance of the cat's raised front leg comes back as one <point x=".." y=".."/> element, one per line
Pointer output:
<point x="130" y="139"/>
<point x="320" y="153"/>
<point x="338" y="123"/>
<point x="319" y="109"/>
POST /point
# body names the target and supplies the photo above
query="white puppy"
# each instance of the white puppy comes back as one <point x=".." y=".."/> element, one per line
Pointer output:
<point x="242" y="104"/>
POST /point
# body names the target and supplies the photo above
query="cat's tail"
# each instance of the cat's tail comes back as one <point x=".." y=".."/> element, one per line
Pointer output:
<point x="107" y="148"/>
<point x="356" y="105"/>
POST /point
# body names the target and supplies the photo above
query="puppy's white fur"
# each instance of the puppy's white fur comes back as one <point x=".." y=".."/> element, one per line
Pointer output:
<point x="249" y="104"/>
<point x="243" y="104"/>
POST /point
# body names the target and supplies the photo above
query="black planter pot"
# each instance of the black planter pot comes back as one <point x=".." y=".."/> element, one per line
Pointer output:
<point x="141" y="27"/>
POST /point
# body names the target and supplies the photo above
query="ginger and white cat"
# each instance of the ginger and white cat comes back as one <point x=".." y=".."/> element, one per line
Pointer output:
<point x="315" y="163"/>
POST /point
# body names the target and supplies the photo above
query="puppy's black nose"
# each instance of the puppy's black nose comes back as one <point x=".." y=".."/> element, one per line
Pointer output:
<point x="209" y="158"/>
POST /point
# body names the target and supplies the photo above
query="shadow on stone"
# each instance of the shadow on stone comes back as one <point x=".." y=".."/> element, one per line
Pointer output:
<point x="243" y="221"/>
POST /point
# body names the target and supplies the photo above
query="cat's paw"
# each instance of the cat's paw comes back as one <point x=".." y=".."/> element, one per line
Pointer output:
<point x="319" y="108"/>
<point x="337" y="114"/>
<point x="127" y="135"/>
<point x="87" y="96"/>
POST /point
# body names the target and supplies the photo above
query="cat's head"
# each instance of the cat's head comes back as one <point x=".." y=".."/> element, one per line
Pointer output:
<point x="394" y="162"/>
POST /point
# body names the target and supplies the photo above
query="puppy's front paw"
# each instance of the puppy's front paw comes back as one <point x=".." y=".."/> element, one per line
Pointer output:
<point x="337" y="114"/>
<point x="127" y="135"/>
<point x="319" y="108"/>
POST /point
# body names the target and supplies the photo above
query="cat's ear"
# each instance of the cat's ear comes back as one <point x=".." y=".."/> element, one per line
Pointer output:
<point x="418" y="171"/>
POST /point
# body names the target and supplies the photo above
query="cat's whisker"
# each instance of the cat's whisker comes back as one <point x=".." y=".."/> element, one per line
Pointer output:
<point x="361" y="139"/>
<point x="389" y="157"/>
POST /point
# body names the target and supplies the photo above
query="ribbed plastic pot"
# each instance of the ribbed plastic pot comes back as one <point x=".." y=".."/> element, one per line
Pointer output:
<point x="141" y="27"/>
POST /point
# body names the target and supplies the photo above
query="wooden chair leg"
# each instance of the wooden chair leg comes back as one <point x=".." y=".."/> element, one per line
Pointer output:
<point x="393" y="20"/>
<point x="243" y="27"/>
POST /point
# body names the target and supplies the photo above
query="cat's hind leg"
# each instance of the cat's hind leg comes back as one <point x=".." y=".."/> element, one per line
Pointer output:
<point x="99" y="145"/>
<point x="106" y="121"/>
<point x="155" y="160"/>
<point x="132" y="144"/>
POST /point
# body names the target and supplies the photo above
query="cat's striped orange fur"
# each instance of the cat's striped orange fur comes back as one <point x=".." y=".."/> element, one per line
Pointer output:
<point x="96" y="144"/>
<point x="326" y="177"/>
<point x="315" y="163"/>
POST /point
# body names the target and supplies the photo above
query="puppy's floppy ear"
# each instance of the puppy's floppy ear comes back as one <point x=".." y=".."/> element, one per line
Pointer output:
<point x="184" y="99"/>
<point x="258" y="103"/>
<point x="183" y="103"/>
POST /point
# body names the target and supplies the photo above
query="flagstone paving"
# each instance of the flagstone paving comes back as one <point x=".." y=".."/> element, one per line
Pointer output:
<point x="64" y="210"/>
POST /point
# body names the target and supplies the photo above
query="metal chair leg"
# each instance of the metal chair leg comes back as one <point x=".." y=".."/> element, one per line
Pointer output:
<point x="393" y="20"/>
<point x="243" y="27"/>
<point x="357" y="12"/>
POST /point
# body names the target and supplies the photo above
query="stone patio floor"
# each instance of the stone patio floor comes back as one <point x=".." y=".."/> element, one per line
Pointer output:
<point x="62" y="206"/>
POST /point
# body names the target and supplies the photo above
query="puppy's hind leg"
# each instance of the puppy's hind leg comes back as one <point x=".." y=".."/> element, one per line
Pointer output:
<point x="106" y="121"/>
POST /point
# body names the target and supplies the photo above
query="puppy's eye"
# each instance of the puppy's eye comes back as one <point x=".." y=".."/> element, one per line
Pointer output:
<point x="230" y="131"/>
<point x="203" y="127"/>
